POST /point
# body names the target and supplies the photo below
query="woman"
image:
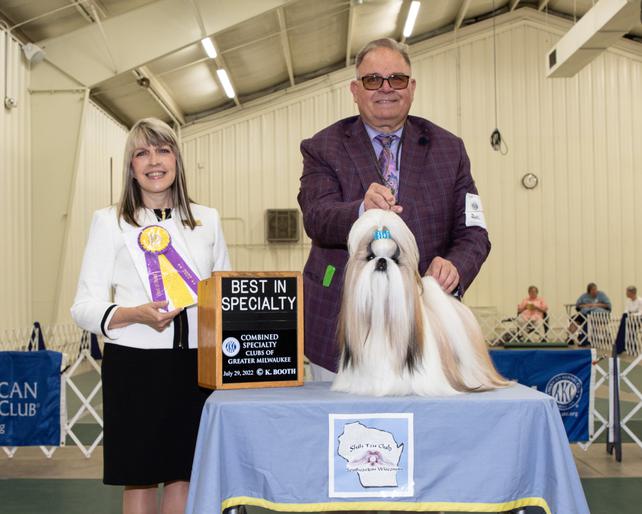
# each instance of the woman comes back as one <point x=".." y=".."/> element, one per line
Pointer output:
<point x="532" y="308"/>
<point x="531" y="315"/>
<point x="151" y="399"/>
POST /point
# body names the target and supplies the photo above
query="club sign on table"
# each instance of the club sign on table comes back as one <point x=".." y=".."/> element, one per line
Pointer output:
<point x="250" y="330"/>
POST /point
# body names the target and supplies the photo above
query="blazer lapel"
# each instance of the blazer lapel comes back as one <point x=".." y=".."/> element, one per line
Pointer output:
<point x="413" y="161"/>
<point x="359" y="149"/>
<point x="145" y="217"/>
<point x="128" y="233"/>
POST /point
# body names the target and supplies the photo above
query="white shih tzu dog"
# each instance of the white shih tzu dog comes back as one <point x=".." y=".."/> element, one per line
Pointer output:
<point x="399" y="333"/>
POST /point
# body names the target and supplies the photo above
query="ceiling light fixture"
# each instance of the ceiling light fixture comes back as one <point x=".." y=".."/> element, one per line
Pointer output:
<point x="412" y="17"/>
<point x="225" y="82"/>
<point x="208" y="46"/>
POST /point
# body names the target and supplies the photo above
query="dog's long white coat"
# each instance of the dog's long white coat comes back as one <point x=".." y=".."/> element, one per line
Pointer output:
<point x="378" y="320"/>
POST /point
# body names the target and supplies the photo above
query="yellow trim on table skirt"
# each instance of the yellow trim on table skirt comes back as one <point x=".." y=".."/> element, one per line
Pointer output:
<point x="387" y="505"/>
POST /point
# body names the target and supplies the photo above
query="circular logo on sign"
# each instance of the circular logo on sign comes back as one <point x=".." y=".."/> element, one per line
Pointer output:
<point x="566" y="389"/>
<point x="259" y="371"/>
<point x="231" y="346"/>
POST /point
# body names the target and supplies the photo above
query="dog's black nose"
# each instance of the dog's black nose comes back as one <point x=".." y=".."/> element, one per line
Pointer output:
<point x="382" y="264"/>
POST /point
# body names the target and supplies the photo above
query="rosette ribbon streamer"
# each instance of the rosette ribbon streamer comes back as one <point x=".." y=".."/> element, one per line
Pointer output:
<point x="167" y="272"/>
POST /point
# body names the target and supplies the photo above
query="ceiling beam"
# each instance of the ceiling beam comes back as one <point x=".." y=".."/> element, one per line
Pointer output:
<point x="351" y="17"/>
<point x="542" y="4"/>
<point x="158" y="91"/>
<point x="513" y="4"/>
<point x="285" y="44"/>
<point x="143" y="35"/>
<point x="83" y="11"/>
<point x="199" y="17"/>
<point x="6" y="23"/>
<point x="461" y="15"/>
<point x="104" y="37"/>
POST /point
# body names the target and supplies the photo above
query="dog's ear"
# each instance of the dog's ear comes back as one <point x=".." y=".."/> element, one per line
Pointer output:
<point x="345" y="355"/>
<point x="415" y="350"/>
<point x="350" y="335"/>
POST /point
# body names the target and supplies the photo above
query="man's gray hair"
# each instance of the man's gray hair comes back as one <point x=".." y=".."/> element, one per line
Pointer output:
<point x="385" y="42"/>
<point x="632" y="289"/>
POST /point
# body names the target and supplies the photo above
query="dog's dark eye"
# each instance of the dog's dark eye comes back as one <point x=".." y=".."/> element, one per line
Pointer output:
<point x="370" y="256"/>
<point x="395" y="257"/>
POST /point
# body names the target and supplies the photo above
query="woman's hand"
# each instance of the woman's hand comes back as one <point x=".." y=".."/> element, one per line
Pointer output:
<point x="149" y="314"/>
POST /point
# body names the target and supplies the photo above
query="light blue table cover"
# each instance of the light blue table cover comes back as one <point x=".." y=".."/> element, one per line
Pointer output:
<point x="481" y="452"/>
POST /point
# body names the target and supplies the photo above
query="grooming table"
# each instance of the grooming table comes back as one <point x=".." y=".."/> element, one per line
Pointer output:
<point x="288" y="450"/>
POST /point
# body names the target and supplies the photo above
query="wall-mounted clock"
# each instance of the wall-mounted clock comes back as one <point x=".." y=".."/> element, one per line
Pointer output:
<point x="530" y="181"/>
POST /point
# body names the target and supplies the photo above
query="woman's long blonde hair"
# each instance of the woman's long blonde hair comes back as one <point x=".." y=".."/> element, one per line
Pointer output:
<point x="154" y="132"/>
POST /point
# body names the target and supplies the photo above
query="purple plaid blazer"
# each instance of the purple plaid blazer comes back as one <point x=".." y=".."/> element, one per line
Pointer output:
<point x="339" y="164"/>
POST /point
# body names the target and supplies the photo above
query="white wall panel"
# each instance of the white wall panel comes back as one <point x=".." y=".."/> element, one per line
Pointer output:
<point x="98" y="184"/>
<point x="15" y="195"/>
<point x="580" y="136"/>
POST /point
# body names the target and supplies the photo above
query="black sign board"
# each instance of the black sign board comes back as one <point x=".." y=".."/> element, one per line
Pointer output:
<point x="258" y="329"/>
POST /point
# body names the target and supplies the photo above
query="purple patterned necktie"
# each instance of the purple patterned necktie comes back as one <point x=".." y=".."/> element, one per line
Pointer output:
<point x="387" y="164"/>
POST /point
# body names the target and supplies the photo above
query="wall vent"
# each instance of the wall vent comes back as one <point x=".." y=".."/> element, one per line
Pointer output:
<point x="282" y="225"/>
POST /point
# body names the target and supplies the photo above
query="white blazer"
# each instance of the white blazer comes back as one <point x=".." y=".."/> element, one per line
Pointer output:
<point x="108" y="271"/>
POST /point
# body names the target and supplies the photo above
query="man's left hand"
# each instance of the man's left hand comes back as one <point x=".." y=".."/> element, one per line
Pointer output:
<point x="445" y="273"/>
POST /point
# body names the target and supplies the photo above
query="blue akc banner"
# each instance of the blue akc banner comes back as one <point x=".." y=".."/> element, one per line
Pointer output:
<point x="30" y="398"/>
<point x="563" y="374"/>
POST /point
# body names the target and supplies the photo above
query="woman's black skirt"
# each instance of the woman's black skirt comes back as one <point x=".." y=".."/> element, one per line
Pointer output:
<point x="152" y="407"/>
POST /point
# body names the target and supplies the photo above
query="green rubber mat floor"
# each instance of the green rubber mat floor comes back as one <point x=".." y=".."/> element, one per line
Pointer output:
<point x="604" y="495"/>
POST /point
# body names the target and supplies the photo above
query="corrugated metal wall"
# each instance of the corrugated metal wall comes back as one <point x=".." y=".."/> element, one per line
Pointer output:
<point x="253" y="165"/>
<point x="15" y="184"/>
<point x="580" y="136"/>
<point x="98" y="184"/>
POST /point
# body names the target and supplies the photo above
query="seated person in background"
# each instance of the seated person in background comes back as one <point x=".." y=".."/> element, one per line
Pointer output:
<point x="633" y="303"/>
<point x="531" y="311"/>
<point x="531" y="308"/>
<point x="591" y="301"/>
<point x="632" y="307"/>
<point x="531" y="318"/>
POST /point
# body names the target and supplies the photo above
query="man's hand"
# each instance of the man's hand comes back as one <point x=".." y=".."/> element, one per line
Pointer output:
<point x="379" y="196"/>
<point x="445" y="273"/>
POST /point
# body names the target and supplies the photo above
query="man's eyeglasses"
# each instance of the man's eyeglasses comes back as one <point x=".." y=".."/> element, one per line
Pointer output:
<point x="395" y="81"/>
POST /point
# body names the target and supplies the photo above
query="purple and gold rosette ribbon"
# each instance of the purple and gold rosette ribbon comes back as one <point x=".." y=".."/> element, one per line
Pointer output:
<point x="169" y="275"/>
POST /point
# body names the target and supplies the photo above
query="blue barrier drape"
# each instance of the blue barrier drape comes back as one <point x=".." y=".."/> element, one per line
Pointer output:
<point x="30" y="398"/>
<point x="563" y="374"/>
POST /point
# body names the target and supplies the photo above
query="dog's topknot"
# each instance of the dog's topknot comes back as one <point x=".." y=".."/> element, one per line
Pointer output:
<point x="378" y="220"/>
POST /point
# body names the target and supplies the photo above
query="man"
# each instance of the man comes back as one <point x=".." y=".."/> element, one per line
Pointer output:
<point x="591" y="301"/>
<point x="422" y="173"/>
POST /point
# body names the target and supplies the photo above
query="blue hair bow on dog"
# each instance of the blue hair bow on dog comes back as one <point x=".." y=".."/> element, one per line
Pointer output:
<point x="382" y="234"/>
